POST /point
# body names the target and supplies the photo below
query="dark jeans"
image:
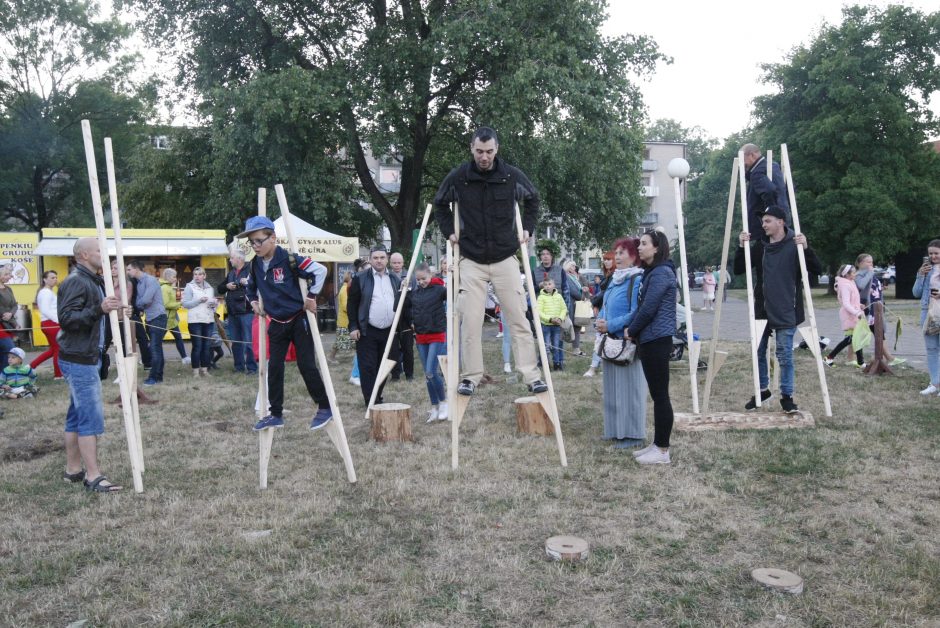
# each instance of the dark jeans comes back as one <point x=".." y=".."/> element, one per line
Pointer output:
<point x="143" y="340"/>
<point x="201" y="335"/>
<point x="239" y="332"/>
<point x="280" y="336"/>
<point x="369" y="349"/>
<point x="178" y="339"/>
<point x="406" y="346"/>
<point x="846" y="342"/>
<point x="654" y="356"/>
<point x="156" y="328"/>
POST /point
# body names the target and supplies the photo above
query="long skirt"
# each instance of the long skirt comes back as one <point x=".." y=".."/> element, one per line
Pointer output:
<point x="624" y="401"/>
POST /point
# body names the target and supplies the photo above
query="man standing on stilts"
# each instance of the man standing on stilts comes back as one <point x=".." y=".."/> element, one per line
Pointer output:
<point x="274" y="275"/>
<point x="782" y="302"/>
<point x="485" y="190"/>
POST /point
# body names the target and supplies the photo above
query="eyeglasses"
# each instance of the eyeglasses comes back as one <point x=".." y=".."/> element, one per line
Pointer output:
<point x="258" y="242"/>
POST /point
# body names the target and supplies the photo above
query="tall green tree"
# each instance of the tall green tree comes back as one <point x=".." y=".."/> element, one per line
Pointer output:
<point x="59" y="63"/>
<point x="852" y="106"/>
<point x="411" y="78"/>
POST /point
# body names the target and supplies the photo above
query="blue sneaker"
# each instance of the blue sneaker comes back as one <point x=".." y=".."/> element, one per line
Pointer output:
<point x="321" y="418"/>
<point x="150" y="382"/>
<point x="269" y="422"/>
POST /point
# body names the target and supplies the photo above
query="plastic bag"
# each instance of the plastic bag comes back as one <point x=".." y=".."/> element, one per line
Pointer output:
<point x="861" y="336"/>
<point x="932" y="322"/>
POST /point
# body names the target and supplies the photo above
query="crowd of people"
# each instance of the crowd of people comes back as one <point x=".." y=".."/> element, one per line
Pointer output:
<point x="634" y="302"/>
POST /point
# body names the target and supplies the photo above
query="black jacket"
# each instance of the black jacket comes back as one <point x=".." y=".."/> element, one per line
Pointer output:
<point x="360" y="298"/>
<point x="79" y="307"/>
<point x="762" y="193"/>
<point x="427" y="308"/>
<point x="783" y="283"/>
<point x="486" y="201"/>
<point x="236" y="301"/>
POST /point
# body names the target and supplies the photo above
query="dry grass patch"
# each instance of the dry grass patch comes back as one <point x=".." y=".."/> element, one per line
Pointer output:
<point x="852" y="506"/>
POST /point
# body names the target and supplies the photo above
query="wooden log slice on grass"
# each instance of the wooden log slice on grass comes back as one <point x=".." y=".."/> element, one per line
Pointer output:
<point x="566" y="548"/>
<point x="531" y="417"/>
<point x="391" y="421"/>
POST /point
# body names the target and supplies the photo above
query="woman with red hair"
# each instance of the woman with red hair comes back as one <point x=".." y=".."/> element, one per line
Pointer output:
<point x="607" y="265"/>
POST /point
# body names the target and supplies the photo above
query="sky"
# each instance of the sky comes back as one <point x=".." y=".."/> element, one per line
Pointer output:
<point x="717" y="52"/>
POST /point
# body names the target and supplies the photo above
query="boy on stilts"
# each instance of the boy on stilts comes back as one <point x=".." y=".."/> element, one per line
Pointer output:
<point x="273" y="275"/>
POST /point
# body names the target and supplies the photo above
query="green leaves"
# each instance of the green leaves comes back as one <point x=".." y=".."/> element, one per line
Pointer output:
<point x="852" y="107"/>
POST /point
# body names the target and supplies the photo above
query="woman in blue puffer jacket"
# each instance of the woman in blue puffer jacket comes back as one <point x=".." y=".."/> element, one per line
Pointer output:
<point x="652" y="329"/>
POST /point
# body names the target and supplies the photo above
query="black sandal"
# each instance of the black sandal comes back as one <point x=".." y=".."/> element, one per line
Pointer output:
<point x="97" y="487"/>
<point x="72" y="478"/>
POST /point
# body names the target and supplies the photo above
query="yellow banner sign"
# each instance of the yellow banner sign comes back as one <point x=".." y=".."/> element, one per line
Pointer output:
<point x="17" y="249"/>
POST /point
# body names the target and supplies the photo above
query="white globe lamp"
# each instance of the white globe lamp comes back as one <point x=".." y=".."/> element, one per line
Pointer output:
<point x="678" y="168"/>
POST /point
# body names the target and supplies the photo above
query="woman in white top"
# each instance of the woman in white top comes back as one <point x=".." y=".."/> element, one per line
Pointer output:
<point x="199" y="299"/>
<point x="47" y="303"/>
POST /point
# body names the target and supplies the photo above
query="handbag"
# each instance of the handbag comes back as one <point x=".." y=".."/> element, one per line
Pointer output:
<point x="567" y="329"/>
<point x="619" y="351"/>
<point x="583" y="313"/>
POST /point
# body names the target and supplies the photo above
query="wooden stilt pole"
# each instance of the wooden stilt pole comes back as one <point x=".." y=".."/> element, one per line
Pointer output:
<point x="456" y="404"/>
<point x="386" y="365"/>
<point x="126" y="393"/>
<point x="547" y="399"/>
<point x="755" y="337"/>
<point x="713" y="346"/>
<point x="687" y="299"/>
<point x="807" y="294"/>
<point x="335" y="428"/>
<point x="130" y="360"/>
<point x="265" y="437"/>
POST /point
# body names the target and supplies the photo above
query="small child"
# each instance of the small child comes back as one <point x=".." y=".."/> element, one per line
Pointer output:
<point x="427" y="302"/>
<point x="552" y="312"/>
<point x="849" y="314"/>
<point x="18" y="379"/>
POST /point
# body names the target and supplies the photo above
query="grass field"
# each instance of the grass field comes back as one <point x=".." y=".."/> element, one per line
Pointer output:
<point x="853" y="506"/>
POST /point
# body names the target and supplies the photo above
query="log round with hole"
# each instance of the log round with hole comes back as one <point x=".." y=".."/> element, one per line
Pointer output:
<point x="778" y="580"/>
<point x="567" y="548"/>
<point x="391" y="421"/>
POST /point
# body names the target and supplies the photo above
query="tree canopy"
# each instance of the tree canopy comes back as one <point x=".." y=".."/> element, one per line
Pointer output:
<point x="59" y="64"/>
<point x="410" y="79"/>
<point x="852" y="107"/>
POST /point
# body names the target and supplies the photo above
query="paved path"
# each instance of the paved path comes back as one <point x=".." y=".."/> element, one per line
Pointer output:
<point x="734" y="327"/>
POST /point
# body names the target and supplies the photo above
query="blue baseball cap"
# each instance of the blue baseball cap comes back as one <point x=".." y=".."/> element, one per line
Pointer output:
<point x="256" y="223"/>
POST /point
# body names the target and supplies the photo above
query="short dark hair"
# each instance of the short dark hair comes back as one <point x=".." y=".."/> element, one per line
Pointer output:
<point x="484" y="134"/>
<point x="933" y="244"/>
<point x="661" y="242"/>
<point x="135" y="264"/>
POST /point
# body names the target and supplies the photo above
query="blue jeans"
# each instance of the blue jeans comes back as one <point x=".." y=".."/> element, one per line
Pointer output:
<point x="507" y="338"/>
<point x="201" y="335"/>
<point x="355" y="368"/>
<point x="552" y="334"/>
<point x="932" y="345"/>
<point x="156" y="329"/>
<point x="784" y="354"/>
<point x="432" y="371"/>
<point x="178" y="339"/>
<point x="6" y="344"/>
<point x="86" y="410"/>
<point x="239" y="332"/>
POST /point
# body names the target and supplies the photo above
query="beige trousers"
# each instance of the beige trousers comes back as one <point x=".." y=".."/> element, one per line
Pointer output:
<point x="471" y="306"/>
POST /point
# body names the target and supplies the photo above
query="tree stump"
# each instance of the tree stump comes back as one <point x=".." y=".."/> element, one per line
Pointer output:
<point x="531" y="417"/>
<point x="391" y="421"/>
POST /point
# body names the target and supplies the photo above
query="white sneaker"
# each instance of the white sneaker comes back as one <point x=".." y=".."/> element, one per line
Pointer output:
<point x="589" y="373"/>
<point x="639" y="452"/>
<point x="499" y="335"/>
<point x="432" y="415"/>
<point x="654" y="456"/>
<point x="930" y="390"/>
<point x="187" y="360"/>
<point x="507" y="367"/>
<point x="355" y="381"/>
<point x="442" y="412"/>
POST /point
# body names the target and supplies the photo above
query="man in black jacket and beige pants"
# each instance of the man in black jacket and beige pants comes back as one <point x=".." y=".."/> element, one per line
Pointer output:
<point x="486" y="190"/>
